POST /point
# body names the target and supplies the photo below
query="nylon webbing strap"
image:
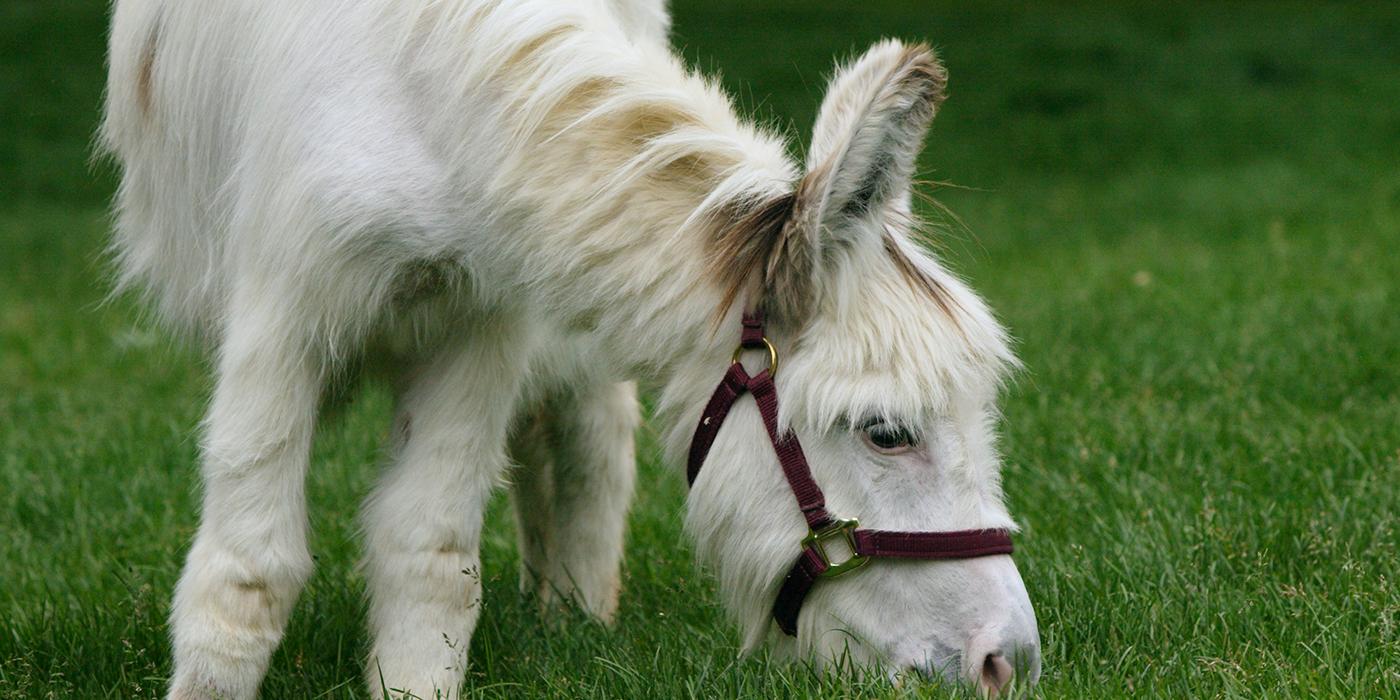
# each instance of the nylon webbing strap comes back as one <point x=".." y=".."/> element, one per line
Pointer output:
<point x="883" y="544"/>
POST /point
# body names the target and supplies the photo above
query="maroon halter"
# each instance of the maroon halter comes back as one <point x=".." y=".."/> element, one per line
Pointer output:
<point x="814" y="563"/>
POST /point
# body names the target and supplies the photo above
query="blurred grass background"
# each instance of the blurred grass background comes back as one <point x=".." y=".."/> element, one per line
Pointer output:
<point x="1188" y="214"/>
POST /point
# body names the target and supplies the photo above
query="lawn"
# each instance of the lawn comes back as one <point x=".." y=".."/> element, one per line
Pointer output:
<point x="1189" y="218"/>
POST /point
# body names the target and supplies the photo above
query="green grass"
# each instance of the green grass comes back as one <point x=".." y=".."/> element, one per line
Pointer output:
<point x="1188" y="216"/>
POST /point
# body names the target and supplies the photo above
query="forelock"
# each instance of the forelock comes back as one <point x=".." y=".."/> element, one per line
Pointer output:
<point x="900" y="337"/>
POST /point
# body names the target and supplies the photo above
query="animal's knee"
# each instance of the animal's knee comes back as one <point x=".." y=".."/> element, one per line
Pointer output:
<point x="268" y="561"/>
<point x="608" y="413"/>
<point x="619" y="401"/>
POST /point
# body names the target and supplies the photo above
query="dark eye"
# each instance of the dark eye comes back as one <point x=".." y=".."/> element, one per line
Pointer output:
<point x="888" y="437"/>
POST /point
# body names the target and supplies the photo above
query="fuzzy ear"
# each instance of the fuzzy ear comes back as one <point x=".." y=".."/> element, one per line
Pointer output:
<point x="870" y="131"/>
<point x="860" y="167"/>
<point x="861" y="164"/>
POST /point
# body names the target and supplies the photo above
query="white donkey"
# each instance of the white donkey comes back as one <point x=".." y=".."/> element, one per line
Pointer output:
<point x="514" y="208"/>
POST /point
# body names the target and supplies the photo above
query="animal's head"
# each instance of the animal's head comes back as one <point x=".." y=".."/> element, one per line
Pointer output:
<point x="890" y="370"/>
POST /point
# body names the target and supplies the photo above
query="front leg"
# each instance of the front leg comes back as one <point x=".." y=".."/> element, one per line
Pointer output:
<point x="423" y="522"/>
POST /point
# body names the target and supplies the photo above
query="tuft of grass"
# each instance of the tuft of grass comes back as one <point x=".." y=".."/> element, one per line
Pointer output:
<point x="1187" y="215"/>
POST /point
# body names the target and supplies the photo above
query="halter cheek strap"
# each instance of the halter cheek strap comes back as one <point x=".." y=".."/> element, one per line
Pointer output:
<point x="814" y="563"/>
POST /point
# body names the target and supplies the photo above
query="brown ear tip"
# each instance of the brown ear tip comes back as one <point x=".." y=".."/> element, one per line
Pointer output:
<point x="923" y="67"/>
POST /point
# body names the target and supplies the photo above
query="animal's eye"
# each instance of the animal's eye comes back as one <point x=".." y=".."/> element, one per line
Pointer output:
<point x="888" y="437"/>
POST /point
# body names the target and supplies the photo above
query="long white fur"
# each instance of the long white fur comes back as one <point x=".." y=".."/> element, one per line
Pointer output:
<point x="511" y="205"/>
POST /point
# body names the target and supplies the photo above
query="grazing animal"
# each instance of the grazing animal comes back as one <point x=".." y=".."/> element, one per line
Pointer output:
<point x="515" y="209"/>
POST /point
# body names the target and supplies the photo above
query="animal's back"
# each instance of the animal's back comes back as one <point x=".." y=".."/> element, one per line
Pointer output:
<point x="256" y="136"/>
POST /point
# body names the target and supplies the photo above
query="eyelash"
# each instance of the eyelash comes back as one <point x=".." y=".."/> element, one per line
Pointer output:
<point x="900" y="437"/>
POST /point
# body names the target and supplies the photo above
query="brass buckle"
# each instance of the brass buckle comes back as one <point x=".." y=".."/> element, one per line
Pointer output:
<point x="815" y="540"/>
<point x="772" y="357"/>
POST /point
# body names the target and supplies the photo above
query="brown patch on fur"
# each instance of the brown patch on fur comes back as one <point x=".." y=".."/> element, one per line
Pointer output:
<point x="251" y="586"/>
<point x="748" y="241"/>
<point x="920" y="66"/>
<point x="587" y="93"/>
<point x="523" y="60"/>
<point x="691" y="169"/>
<point x="145" y="70"/>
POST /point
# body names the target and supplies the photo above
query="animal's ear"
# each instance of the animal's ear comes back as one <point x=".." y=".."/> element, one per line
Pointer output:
<point x="861" y="165"/>
<point x="869" y="134"/>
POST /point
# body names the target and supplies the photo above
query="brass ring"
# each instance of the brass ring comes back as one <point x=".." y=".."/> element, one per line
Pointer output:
<point x="772" y="356"/>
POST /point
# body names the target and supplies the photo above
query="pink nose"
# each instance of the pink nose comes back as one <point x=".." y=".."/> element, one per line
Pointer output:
<point x="996" y="676"/>
<point x="999" y="668"/>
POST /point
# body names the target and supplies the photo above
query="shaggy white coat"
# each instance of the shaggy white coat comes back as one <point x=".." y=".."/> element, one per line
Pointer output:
<point x="512" y="210"/>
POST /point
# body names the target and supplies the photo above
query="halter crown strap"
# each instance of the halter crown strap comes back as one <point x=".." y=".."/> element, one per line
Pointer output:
<point x="813" y="562"/>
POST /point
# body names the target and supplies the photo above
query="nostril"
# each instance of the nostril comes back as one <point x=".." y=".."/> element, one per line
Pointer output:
<point x="996" y="673"/>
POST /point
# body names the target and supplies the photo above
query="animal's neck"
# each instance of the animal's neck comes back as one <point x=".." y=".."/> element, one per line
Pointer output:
<point x="618" y="168"/>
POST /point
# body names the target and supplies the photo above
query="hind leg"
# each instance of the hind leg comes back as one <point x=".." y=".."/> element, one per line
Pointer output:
<point x="423" y="521"/>
<point x="572" y="492"/>
<point x="249" y="558"/>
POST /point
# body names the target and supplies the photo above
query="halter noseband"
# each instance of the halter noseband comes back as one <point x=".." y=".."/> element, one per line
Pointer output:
<point x="814" y="563"/>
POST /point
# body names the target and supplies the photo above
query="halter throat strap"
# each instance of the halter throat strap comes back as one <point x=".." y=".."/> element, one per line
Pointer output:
<point x="813" y="562"/>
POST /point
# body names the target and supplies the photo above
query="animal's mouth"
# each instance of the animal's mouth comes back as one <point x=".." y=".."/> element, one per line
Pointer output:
<point x="996" y="675"/>
<point x="939" y="674"/>
<point x="941" y="664"/>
